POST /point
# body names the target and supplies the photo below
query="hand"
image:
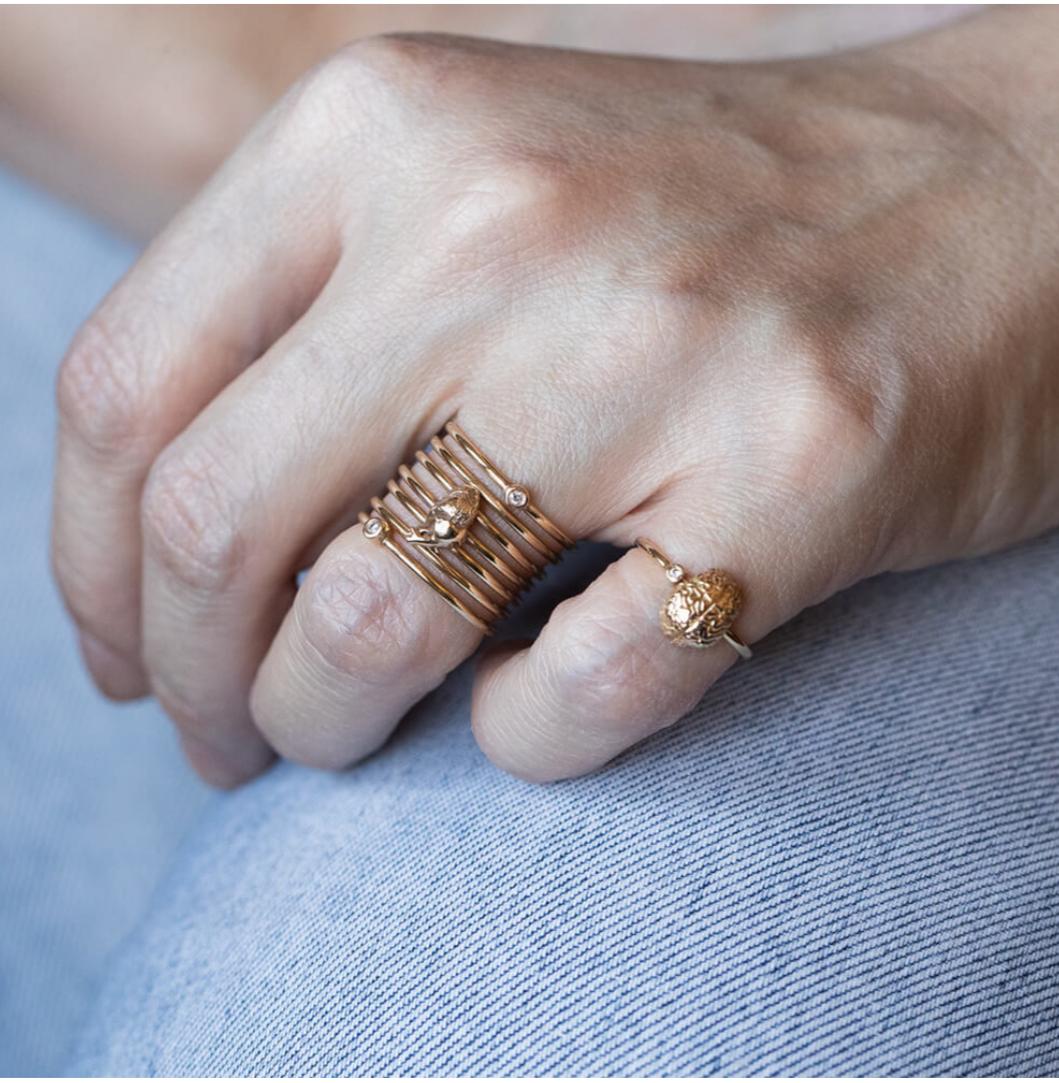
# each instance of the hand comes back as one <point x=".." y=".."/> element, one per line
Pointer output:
<point x="796" y="320"/>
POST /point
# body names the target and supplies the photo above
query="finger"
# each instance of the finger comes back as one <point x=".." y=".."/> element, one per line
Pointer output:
<point x="366" y="638"/>
<point x="204" y="300"/>
<point x="602" y="676"/>
<point x="364" y="641"/>
<point x="231" y="507"/>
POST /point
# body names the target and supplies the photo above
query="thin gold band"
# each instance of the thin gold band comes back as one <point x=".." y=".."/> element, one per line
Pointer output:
<point x="655" y="553"/>
<point x="464" y="528"/>
<point x="480" y="596"/>
<point x="440" y="587"/>
<point x="559" y="536"/>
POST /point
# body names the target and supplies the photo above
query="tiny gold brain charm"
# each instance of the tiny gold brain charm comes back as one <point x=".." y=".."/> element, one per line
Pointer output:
<point x="701" y="609"/>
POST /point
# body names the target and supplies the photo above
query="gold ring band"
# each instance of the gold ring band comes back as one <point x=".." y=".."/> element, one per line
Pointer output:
<point x="514" y="494"/>
<point x="505" y="543"/>
<point x="701" y="609"/>
<point x="464" y="528"/>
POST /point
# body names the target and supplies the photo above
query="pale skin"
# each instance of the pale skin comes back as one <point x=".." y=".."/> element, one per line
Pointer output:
<point x="796" y="319"/>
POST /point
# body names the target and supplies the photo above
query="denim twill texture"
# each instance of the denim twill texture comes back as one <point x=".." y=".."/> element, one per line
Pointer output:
<point x="845" y="860"/>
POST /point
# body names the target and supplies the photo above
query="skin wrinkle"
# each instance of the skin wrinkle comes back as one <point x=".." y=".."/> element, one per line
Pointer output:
<point x="188" y="519"/>
<point x="350" y="612"/>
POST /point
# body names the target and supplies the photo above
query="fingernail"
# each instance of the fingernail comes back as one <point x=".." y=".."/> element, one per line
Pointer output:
<point x="115" y="676"/>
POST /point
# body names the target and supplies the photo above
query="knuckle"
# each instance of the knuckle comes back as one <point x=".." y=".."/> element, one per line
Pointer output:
<point x="360" y="623"/>
<point x="97" y="393"/>
<point x="375" y="78"/>
<point x="838" y="412"/>
<point x="190" y="521"/>
<point x="419" y="67"/>
<point x="390" y="58"/>
<point x="610" y="671"/>
<point x="505" y="220"/>
<point x="91" y="603"/>
<point x="507" y="197"/>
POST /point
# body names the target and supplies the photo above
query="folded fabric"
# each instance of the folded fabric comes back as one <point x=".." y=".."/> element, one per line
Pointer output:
<point x="846" y="861"/>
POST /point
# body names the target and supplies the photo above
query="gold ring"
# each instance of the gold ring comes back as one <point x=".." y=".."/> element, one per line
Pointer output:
<point x="700" y="609"/>
<point x="470" y="532"/>
<point x="517" y="496"/>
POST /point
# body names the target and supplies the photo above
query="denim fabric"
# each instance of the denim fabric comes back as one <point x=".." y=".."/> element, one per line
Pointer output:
<point x="92" y="798"/>
<point x="845" y="861"/>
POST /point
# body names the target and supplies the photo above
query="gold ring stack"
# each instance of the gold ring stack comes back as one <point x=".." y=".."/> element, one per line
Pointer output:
<point x="455" y="520"/>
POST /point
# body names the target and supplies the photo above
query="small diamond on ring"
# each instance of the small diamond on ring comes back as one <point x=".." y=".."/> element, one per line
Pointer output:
<point x="516" y="496"/>
<point x="674" y="573"/>
<point x="373" y="527"/>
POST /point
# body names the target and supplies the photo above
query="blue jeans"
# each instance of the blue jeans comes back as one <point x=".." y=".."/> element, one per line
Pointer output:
<point x="845" y="860"/>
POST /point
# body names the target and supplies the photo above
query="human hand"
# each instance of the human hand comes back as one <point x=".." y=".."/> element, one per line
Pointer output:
<point x="796" y="320"/>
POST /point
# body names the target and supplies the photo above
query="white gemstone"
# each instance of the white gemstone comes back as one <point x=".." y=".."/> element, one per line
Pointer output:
<point x="674" y="573"/>
<point x="373" y="528"/>
<point x="517" y="497"/>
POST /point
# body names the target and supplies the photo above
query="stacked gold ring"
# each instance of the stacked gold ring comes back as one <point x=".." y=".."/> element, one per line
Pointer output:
<point x="473" y="535"/>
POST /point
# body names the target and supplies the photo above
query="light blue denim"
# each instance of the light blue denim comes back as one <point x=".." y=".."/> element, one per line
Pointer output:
<point x="93" y="798"/>
<point x="846" y="860"/>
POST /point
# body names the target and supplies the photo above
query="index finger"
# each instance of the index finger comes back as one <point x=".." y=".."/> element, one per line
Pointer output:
<point x="225" y="279"/>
